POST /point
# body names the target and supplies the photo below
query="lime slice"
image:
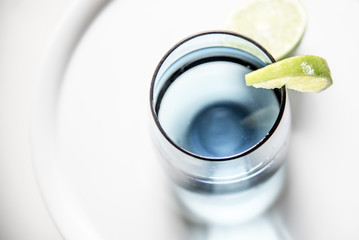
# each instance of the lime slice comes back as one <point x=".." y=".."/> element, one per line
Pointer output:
<point x="302" y="73"/>
<point x="278" y="25"/>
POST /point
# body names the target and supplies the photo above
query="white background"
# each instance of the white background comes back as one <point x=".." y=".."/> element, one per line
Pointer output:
<point x="322" y="195"/>
<point x="25" y="28"/>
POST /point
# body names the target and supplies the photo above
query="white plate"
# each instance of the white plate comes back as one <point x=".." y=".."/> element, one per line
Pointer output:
<point x="93" y="155"/>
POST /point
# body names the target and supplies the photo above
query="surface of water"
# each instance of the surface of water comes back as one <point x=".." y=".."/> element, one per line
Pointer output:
<point x="208" y="110"/>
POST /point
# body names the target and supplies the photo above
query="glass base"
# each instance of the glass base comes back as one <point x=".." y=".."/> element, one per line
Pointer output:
<point x="230" y="208"/>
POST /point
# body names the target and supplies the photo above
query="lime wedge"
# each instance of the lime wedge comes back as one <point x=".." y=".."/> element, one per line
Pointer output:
<point x="277" y="25"/>
<point x="302" y="73"/>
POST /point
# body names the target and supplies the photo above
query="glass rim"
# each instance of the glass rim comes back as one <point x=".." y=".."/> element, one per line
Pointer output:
<point x="283" y="100"/>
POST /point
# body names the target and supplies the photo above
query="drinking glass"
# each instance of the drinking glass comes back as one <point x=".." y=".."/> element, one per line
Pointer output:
<point x="222" y="143"/>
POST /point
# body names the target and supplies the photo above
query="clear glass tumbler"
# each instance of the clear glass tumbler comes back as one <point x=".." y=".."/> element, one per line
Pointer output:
<point x="222" y="143"/>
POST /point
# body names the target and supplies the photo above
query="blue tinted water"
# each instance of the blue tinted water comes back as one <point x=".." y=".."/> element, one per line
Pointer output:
<point x="218" y="131"/>
<point x="207" y="109"/>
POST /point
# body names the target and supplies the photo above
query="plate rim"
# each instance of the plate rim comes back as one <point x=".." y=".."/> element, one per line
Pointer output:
<point x="52" y="68"/>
